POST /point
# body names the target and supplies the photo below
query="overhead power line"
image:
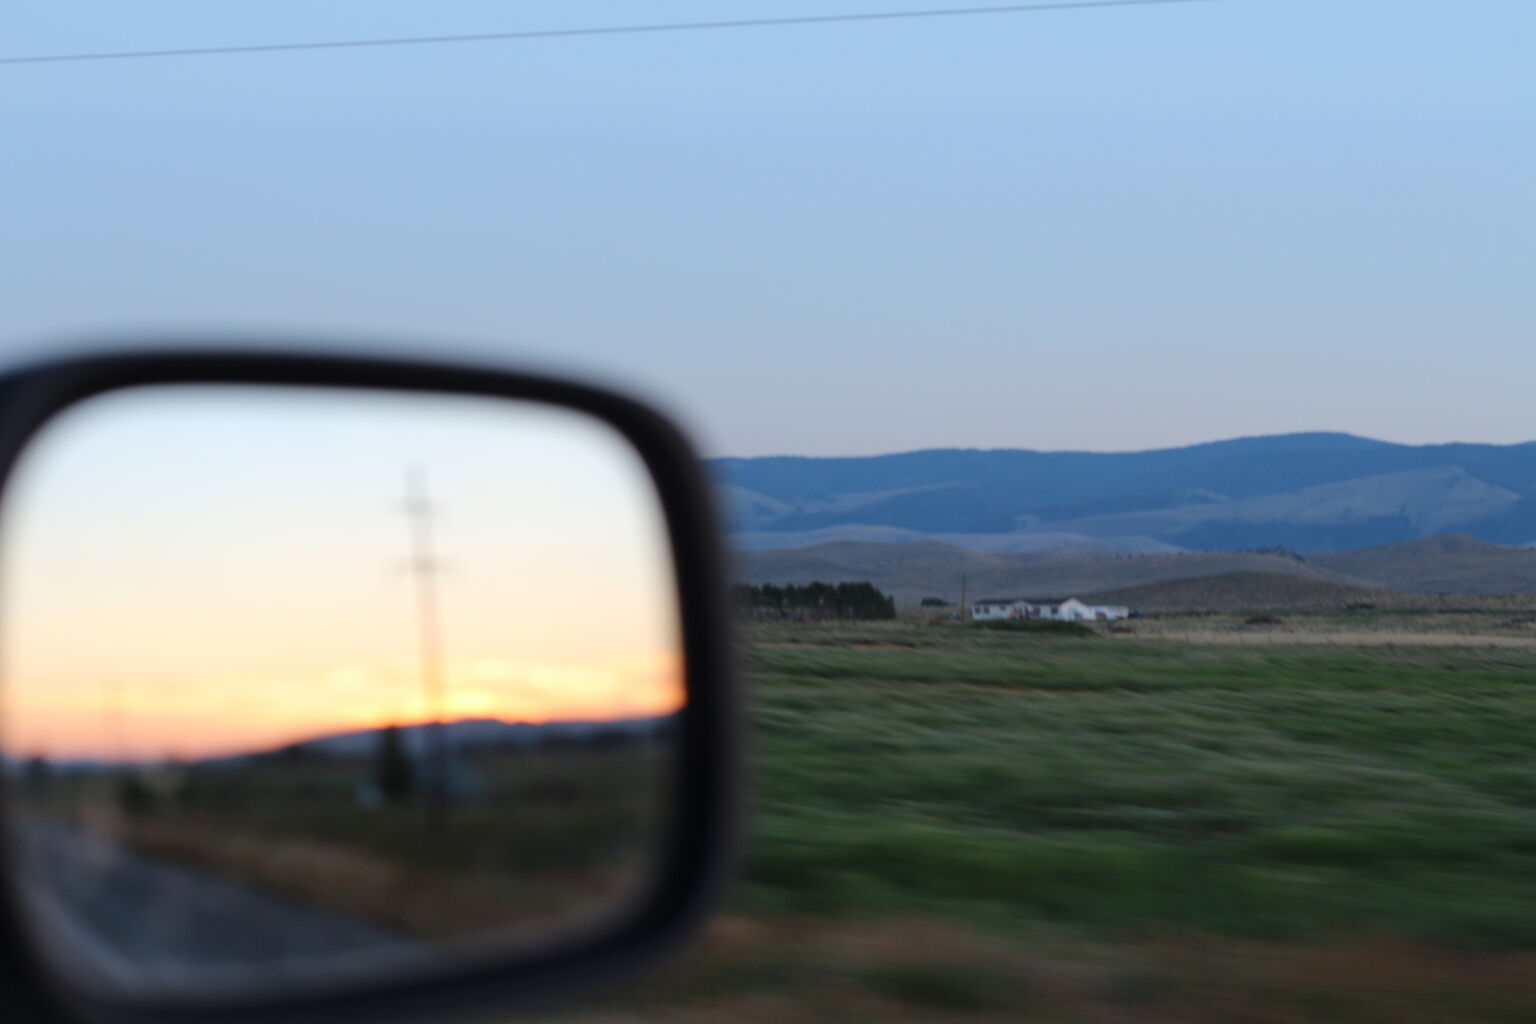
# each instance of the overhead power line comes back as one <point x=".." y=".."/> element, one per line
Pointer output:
<point x="612" y="30"/>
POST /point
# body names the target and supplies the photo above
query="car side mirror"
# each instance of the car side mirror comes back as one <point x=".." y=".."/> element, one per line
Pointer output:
<point x="338" y="686"/>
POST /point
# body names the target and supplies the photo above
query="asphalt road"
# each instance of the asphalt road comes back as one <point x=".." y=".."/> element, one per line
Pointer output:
<point x="118" y="921"/>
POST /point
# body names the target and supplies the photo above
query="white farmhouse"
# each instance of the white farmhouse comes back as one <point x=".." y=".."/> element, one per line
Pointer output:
<point x="1068" y="609"/>
<point x="999" y="608"/>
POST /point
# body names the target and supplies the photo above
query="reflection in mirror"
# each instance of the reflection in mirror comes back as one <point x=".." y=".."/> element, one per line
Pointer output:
<point x="310" y="685"/>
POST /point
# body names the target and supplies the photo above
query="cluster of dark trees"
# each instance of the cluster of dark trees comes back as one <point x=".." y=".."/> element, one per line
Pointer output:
<point x="813" y="602"/>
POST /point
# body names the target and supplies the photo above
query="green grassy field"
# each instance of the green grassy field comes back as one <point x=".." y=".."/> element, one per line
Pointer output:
<point x="1111" y="786"/>
<point x="951" y="822"/>
<point x="1328" y="819"/>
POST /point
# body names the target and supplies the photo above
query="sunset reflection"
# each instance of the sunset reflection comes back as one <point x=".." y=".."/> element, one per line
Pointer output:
<point x="198" y="571"/>
<point x="232" y="715"/>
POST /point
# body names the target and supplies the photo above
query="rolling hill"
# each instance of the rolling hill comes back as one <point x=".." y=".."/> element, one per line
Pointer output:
<point x="1453" y="564"/>
<point x="913" y="571"/>
<point x="1239" y="591"/>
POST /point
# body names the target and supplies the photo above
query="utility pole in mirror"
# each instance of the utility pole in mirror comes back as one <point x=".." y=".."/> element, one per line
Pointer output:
<point x="425" y="568"/>
<point x="111" y="724"/>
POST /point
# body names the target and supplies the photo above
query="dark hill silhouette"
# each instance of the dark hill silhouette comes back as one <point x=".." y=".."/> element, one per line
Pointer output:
<point x="462" y="733"/>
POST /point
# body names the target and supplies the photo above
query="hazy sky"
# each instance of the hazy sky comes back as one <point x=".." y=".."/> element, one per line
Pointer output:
<point x="1109" y="229"/>
<point x="196" y="570"/>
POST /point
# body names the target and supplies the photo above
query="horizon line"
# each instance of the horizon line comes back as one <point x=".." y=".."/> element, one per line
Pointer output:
<point x="22" y="758"/>
<point x="1128" y="451"/>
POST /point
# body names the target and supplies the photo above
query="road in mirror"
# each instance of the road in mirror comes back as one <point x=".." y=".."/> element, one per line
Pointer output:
<point x="309" y="685"/>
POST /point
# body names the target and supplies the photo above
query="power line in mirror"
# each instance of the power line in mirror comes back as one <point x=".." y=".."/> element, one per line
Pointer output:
<point x="425" y="568"/>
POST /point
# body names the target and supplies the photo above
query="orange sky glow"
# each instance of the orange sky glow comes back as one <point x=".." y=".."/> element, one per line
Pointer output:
<point x="145" y="722"/>
<point x="196" y="571"/>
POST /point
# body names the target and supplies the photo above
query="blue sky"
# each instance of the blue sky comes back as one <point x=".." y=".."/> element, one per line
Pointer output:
<point x="1111" y="229"/>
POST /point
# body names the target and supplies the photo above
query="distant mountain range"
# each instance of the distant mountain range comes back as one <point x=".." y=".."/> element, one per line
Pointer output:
<point x="1307" y="492"/>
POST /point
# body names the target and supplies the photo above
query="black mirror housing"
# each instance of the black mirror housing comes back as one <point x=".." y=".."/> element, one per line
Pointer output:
<point x="698" y="849"/>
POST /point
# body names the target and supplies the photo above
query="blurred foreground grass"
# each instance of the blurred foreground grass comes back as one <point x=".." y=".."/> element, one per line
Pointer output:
<point x="952" y="822"/>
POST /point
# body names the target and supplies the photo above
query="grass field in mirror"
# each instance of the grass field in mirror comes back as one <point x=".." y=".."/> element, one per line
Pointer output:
<point x="1189" y="820"/>
<point x="307" y="687"/>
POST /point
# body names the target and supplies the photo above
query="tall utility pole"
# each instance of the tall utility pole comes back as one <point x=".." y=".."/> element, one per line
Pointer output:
<point x="425" y="569"/>
<point x="965" y="609"/>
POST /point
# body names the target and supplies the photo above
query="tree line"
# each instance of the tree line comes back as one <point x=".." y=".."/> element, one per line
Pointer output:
<point x="815" y="601"/>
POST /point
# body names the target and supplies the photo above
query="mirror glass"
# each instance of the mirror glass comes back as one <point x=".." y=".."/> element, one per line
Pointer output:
<point x="311" y="686"/>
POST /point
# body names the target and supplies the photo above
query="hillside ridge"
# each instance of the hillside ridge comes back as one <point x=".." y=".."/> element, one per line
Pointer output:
<point x="912" y="571"/>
